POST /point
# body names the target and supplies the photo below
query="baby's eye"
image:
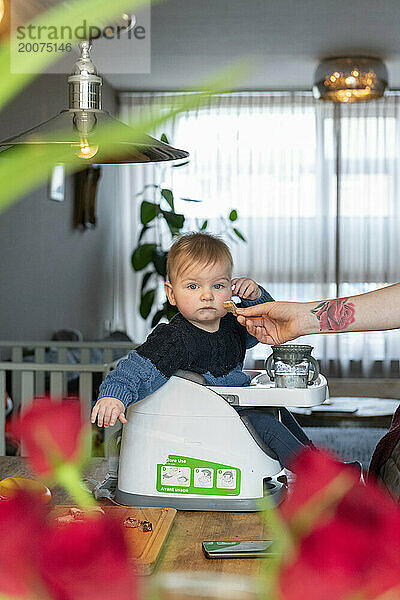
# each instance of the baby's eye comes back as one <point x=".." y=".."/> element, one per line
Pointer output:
<point x="193" y="286"/>
<point x="219" y="286"/>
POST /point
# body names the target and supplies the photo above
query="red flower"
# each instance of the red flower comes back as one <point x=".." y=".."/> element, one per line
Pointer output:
<point x="21" y="533"/>
<point x="82" y="560"/>
<point x="87" y="560"/>
<point x="52" y="433"/>
<point x="352" y="548"/>
<point x="75" y="561"/>
<point x="315" y="471"/>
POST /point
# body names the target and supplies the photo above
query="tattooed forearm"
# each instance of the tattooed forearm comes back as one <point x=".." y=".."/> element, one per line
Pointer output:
<point x="334" y="315"/>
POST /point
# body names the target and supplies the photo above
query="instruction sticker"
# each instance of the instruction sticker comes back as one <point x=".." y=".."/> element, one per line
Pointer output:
<point x="203" y="478"/>
<point x="175" y="476"/>
<point x="226" y="478"/>
<point x="186" y="475"/>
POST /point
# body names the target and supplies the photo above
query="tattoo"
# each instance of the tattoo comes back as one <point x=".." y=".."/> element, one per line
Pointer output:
<point x="334" y="315"/>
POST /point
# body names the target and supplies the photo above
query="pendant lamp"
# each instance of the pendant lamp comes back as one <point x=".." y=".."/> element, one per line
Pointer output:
<point x="350" y="79"/>
<point x="84" y="115"/>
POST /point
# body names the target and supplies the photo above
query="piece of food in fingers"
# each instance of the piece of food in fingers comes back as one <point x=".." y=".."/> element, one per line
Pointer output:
<point x="230" y="306"/>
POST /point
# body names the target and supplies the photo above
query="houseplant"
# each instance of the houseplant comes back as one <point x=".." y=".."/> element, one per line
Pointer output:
<point x="159" y="218"/>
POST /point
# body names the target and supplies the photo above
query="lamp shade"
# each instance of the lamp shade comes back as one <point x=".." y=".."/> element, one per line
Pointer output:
<point x="76" y="129"/>
<point x="85" y="147"/>
<point x="348" y="80"/>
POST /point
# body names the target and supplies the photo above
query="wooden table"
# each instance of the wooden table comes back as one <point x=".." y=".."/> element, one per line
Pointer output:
<point x="368" y="412"/>
<point x="182" y="551"/>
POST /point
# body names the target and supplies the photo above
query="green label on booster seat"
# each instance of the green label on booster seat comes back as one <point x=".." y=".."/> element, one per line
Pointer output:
<point x="184" y="475"/>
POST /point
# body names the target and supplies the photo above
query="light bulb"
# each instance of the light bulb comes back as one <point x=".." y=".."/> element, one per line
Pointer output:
<point x="84" y="150"/>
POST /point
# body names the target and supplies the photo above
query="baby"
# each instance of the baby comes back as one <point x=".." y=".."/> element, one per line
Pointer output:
<point x="202" y="338"/>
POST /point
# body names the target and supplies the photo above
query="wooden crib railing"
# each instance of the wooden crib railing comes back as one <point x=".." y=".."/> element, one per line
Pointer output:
<point x="28" y="378"/>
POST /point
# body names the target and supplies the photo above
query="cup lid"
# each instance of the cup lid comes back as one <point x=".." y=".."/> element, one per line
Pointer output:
<point x="292" y="347"/>
<point x="291" y="353"/>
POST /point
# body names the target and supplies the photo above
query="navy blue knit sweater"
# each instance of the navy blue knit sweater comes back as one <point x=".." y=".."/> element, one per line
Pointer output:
<point x="179" y="344"/>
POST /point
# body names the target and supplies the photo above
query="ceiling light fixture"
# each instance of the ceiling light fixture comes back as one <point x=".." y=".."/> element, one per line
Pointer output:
<point x="84" y="116"/>
<point x="350" y="79"/>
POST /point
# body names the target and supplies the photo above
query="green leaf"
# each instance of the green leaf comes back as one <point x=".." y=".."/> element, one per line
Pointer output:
<point x="170" y="311"/>
<point x="317" y="308"/>
<point x="143" y="231"/>
<point x="239" y="234"/>
<point x="160" y="262"/>
<point x="164" y="138"/>
<point x="169" y="197"/>
<point x="174" y="220"/>
<point x="148" y="211"/>
<point x="204" y="226"/>
<point x="145" y="279"/>
<point x="190" y="200"/>
<point x="233" y="215"/>
<point x="146" y="303"/>
<point x="142" y="256"/>
<point x="174" y="231"/>
<point x="157" y="317"/>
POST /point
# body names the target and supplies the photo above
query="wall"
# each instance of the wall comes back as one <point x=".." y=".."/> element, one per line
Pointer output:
<point x="53" y="276"/>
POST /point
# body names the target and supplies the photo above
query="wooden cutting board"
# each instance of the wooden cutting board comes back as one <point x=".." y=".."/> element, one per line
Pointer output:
<point x="143" y="547"/>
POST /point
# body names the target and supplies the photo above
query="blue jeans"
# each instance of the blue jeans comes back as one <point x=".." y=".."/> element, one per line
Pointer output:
<point x="286" y="438"/>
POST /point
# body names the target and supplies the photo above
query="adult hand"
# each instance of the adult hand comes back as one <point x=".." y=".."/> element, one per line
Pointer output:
<point x="279" y="322"/>
<point x="274" y="322"/>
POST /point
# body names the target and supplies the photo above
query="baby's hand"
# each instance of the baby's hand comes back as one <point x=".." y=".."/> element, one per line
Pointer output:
<point x="108" y="410"/>
<point x="245" y="288"/>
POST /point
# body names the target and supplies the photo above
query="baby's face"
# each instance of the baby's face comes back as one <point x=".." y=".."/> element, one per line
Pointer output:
<point x="200" y="292"/>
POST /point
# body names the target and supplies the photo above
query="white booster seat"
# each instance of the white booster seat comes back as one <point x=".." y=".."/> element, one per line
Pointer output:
<point x="186" y="447"/>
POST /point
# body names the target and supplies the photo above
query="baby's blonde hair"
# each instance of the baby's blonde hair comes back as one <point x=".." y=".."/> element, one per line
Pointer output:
<point x="199" y="249"/>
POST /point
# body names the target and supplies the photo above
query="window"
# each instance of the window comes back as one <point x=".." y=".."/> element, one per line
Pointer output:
<point x="275" y="158"/>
